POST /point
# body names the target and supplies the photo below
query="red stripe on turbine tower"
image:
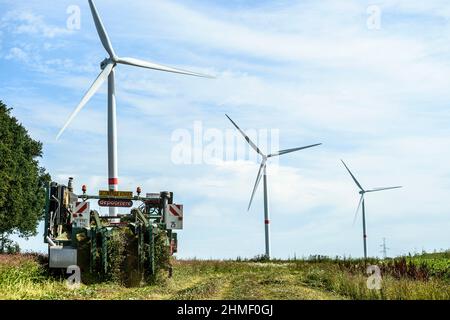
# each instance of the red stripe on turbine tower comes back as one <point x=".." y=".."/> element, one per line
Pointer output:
<point x="113" y="181"/>
<point x="266" y="221"/>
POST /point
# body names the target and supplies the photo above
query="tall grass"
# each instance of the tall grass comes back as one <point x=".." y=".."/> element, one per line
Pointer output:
<point x="18" y="269"/>
<point x="400" y="280"/>
<point x="24" y="277"/>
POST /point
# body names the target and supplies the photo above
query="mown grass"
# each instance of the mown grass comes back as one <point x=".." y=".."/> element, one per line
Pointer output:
<point x="24" y="277"/>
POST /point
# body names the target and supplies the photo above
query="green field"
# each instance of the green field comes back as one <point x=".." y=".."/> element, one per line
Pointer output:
<point x="413" y="277"/>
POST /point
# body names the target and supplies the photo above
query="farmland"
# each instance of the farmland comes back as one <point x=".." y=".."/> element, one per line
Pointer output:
<point x="412" y="277"/>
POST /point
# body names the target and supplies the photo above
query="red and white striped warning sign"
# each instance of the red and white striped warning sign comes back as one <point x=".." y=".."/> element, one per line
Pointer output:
<point x="174" y="216"/>
<point x="81" y="208"/>
<point x="81" y="215"/>
<point x="176" y="210"/>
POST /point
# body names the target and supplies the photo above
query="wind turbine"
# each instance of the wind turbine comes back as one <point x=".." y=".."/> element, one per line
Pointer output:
<point x="362" y="192"/>
<point x="262" y="172"/>
<point x="108" y="69"/>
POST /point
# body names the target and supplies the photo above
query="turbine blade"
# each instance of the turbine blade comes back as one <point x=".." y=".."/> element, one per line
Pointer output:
<point x="159" y="67"/>
<point x="92" y="90"/>
<point x="246" y="137"/>
<point x="353" y="177"/>
<point x="357" y="209"/>
<point x="382" y="189"/>
<point x="258" y="179"/>
<point x="281" y="152"/>
<point x="104" y="38"/>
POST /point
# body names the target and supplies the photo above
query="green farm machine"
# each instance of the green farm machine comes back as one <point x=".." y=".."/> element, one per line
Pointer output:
<point x="135" y="243"/>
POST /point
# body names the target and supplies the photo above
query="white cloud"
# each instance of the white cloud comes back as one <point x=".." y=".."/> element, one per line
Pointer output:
<point x="18" y="54"/>
<point x="27" y="22"/>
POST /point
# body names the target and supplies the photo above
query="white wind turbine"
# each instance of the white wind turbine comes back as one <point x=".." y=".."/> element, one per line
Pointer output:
<point x="108" y="65"/>
<point x="262" y="172"/>
<point x="362" y="192"/>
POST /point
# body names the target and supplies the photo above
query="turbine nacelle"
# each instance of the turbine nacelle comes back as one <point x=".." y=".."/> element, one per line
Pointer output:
<point x="105" y="62"/>
<point x="363" y="191"/>
<point x="262" y="168"/>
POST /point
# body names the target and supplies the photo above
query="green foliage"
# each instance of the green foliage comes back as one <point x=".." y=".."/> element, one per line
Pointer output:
<point x="22" y="180"/>
<point x="123" y="259"/>
<point x="163" y="260"/>
<point x="17" y="269"/>
<point x="125" y="266"/>
<point x="8" y="246"/>
<point x="432" y="266"/>
<point x="116" y="254"/>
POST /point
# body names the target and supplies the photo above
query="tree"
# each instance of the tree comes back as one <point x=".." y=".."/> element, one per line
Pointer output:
<point x="8" y="246"/>
<point x="22" y="180"/>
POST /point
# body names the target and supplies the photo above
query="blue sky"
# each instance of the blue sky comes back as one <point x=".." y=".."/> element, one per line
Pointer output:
<point x="377" y="98"/>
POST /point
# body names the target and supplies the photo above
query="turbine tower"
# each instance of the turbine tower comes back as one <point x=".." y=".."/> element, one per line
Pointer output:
<point x="362" y="192"/>
<point x="108" y="72"/>
<point x="263" y="173"/>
